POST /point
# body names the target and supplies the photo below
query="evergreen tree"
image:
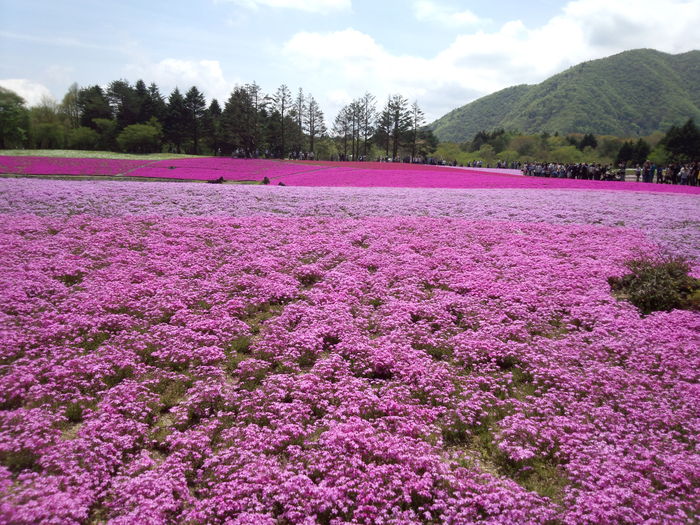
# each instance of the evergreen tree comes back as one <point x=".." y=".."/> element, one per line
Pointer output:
<point x="572" y="140"/>
<point x="342" y="127"/>
<point x="141" y="93"/>
<point x="417" y="121"/>
<point x="211" y="127"/>
<point x="282" y="103"/>
<point x="274" y="133"/>
<point x="314" y="123"/>
<point x="176" y="120"/>
<point x="481" y="138"/>
<point x="124" y="103"/>
<point x="384" y="127"/>
<point x="400" y="122"/>
<point x="93" y="104"/>
<point x="626" y="153"/>
<point x="427" y="142"/>
<point x="238" y="122"/>
<point x="195" y="105"/>
<point x="258" y="115"/>
<point x="355" y="109"/>
<point x="298" y="113"/>
<point x="154" y="105"/>
<point x="683" y="143"/>
<point x="369" y="116"/>
<point x="641" y="152"/>
<point x="588" y="140"/>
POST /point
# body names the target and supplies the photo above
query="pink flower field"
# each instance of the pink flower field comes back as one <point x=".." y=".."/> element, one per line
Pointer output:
<point x="67" y="166"/>
<point x="209" y="168"/>
<point x="194" y="353"/>
<point x="322" y="174"/>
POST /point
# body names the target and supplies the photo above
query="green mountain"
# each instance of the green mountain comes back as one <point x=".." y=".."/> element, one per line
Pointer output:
<point x="632" y="93"/>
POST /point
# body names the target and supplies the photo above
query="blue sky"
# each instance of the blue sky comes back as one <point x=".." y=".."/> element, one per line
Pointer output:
<point x="442" y="53"/>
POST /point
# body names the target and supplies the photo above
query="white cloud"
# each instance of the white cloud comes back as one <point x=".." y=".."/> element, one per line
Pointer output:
<point x="345" y="45"/>
<point x="351" y="62"/>
<point x="31" y="92"/>
<point x="481" y="62"/>
<point x="170" y="73"/>
<point x="311" y="6"/>
<point x="429" y="11"/>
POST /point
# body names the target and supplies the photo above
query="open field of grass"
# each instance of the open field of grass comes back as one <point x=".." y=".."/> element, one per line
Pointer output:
<point x="85" y="154"/>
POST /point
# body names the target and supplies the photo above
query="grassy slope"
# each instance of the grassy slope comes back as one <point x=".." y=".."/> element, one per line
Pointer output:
<point x="83" y="154"/>
<point x="633" y="93"/>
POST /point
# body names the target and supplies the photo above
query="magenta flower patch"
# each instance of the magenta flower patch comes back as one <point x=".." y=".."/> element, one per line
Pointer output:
<point x="161" y="368"/>
<point x="321" y="174"/>
<point x="67" y="166"/>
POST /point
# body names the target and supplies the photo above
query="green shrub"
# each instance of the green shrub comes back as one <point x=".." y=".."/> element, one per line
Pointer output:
<point x="139" y="138"/>
<point x="83" y="138"/>
<point x="658" y="284"/>
<point x="47" y="135"/>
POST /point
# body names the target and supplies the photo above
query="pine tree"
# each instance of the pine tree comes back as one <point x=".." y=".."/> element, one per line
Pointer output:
<point x="93" y="104"/>
<point x="369" y="116"/>
<point x="211" y="127"/>
<point x="124" y="103"/>
<point x="400" y="121"/>
<point x="314" y="122"/>
<point x="176" y="120"/>
<point x="282" y="104"/>
<point x="299" y="111"/>
<point x="195" y="105"/>
<point x="683" y="143"/>
<point x="417" y="120"/>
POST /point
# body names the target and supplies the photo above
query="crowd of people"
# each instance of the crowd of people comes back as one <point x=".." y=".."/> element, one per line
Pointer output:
<point x="574" y="171"/>
<point x="674" y="173"/>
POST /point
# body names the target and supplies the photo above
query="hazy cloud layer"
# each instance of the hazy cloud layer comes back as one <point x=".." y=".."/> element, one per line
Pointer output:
<point x="436" y="51"/>
<point x="312" y="6"/>
<point x="31" y="92"/>
<point x="206" y="75"/>
<point x="480" y="62"/>
<point x="429" y="11"/>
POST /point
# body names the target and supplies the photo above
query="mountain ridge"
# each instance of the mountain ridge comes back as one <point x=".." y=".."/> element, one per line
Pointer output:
<point x="633" y="93"/>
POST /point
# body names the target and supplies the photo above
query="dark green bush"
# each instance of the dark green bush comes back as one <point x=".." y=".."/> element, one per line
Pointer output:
<point x="139" y="138"/>
<point x="83" y="138"/>
<point x="658" y="284"/>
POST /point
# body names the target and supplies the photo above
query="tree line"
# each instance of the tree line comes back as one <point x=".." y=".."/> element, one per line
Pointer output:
<point x="138" y="118"/>
<point x="679" y="144"/>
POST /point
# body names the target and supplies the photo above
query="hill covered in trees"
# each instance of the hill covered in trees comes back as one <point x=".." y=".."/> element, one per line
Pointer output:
<point x="635" y="92"/>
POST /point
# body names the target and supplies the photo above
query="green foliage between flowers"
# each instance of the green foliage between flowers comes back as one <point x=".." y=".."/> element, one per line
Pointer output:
<point x="658" y="284"/>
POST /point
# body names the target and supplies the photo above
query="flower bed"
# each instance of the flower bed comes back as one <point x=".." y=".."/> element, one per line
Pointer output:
<point x="318" y="355"/>
<point x="294" y="173"/>
<point x="67" y="166"/>
<point x="404" y="166"/>
<point x="209" y="168"/>
<point x="648" y="212"/>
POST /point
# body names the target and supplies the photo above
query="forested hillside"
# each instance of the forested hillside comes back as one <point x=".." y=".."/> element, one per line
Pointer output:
<point x="636" y="92"/>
